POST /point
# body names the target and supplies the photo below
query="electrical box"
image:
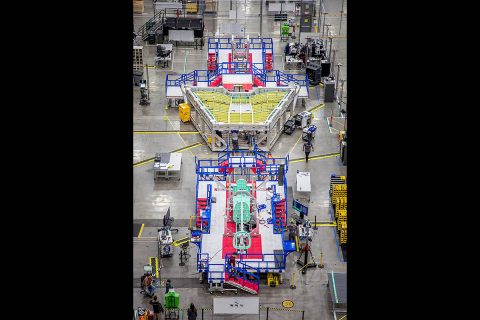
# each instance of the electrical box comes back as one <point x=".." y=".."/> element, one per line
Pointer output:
<point x="307" y="11"/>
<point x="343" y="152"/>
<point x="329" y="90"/>
<point x="303" y="188"/>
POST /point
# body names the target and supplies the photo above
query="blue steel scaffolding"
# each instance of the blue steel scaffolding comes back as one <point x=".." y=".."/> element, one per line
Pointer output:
<point x="247" y="164"/>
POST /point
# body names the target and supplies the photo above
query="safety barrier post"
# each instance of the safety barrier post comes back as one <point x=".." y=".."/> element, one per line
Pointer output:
<point x="267" y="312"/>
<point x="202" y="313"/>
<point x="315" y="224"/>
<point x="303" y="314"/>
<point x="320" y="265"/>
<point x="292" y="286"/>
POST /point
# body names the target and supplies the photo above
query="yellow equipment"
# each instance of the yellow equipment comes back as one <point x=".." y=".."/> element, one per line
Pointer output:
<point x="179" y="242"/>
<point x="191" y="8"/>
<point x="153" y="261"/>
<point x="184" y="112"/>
<point x="272" y="279"/>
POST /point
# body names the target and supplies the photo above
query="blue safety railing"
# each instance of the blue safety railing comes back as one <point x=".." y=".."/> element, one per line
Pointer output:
<point x="268" y="165"/>
<point x="261" y="262"/>
<point x="239" y="67"/>
<point x="216" y="274"/>
<point x="206" y="214"/>
<point x="202" y="262"/>
<point x="257" y="69"/>
<point x="282" y="79"/>
<point x="274" y="202"/>
<point x="242" y="273"/>
<point x="207" y="168"/>
<point x="226" y="43"/>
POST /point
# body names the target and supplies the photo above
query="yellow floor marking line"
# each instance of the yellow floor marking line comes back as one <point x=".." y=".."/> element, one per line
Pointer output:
<point x="315" y="158"/>
<point x="166" y="132"/>
<point x="323" y="224"/>
<point x="142" y="162"/>
<point x="343" y="317"/>
<point x="300" y="137"/>
<point x="317" y="108"/>
<point x="179" y="242"/>
<point x="179" y="134"/>
<point x="141" y="230"/>
<point x="191" y="147"/>
<point x="198" y="144"/>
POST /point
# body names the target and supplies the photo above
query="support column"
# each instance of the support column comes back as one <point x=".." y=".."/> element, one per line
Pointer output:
<point x="261" y="18"/>
<point x="294" y="104"/>
<point x="212" y="139"/>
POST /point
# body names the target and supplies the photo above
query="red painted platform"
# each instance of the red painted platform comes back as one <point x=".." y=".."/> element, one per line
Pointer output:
<point x="256" y="248"/>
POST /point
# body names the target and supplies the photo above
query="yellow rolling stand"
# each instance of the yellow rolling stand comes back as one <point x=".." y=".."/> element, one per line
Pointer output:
<point x="272" y="279"/>
<point x="184" y="112"/>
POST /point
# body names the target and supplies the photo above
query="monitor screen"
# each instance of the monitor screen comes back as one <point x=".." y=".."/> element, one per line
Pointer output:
<point x="148" y="269"/>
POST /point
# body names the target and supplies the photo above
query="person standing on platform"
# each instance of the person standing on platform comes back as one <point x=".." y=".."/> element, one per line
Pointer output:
<point x="235" y="139"/>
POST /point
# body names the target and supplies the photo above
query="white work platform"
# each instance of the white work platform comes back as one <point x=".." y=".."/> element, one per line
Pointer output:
<point x="174" y="92"/>
<point x="212" y="243"/>
<point x="303" y="93"/>
<point x="237" y="162"/>
<point x="237" y="78"/>
<point x="169" y="169"/>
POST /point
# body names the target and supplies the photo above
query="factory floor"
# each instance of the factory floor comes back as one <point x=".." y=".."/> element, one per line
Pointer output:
<point x="152" y="200"/>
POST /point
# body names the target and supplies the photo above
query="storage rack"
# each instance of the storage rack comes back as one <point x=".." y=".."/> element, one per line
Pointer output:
<point x="338" y="203"/>
<point x="138" y="58"/>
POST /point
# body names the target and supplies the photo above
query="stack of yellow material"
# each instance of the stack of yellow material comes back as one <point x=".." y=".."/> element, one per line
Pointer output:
<point x="191" y="7"/>
<point x="138" y="6"/>
<point x="217" y="103"/>
<point x="264" y="103"/>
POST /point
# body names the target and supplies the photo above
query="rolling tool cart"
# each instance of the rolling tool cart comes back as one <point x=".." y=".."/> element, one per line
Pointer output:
<point x="289" y="127"/>
<point x="309" y="133"/>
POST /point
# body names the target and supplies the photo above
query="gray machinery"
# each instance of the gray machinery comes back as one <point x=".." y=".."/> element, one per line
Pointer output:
<point x="318" y="66"/>
<point x="295" y="55"/>
<point x="309" y="133"/>
<point x="164" y="54"/>
<point x="307" y="12"/>
<point x="241" y="55"/>
<point x="303" y="119"/>
<point x="317" y="49"/>
<point x="144" y="100"/>
<point x="316" y="72"/>
<point x="304" y="238"/>
<point x="329" y="89"/>
<point x="165" y="238"/>
<point x="289" y="126"/>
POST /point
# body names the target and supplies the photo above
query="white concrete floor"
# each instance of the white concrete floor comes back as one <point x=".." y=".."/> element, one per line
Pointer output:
<point x="151" y="200"/>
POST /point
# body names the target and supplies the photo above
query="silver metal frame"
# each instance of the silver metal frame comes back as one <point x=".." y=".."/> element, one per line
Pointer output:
<point x="270" y="130"/>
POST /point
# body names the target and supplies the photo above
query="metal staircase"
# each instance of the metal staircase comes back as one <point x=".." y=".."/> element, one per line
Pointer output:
<point x="239" y="277"/>
<point x="152" y="25"/>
